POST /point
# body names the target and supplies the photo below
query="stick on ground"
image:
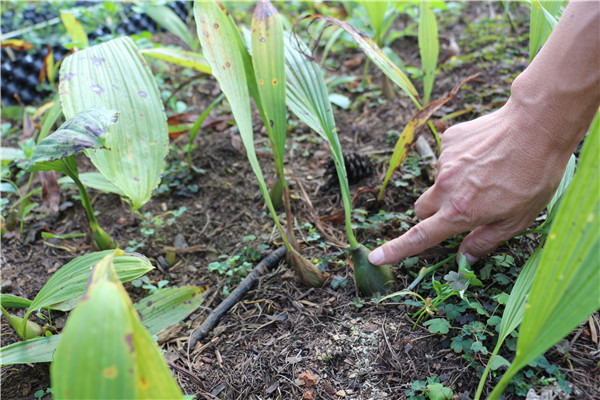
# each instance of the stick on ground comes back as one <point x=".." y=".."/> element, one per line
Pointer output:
<point x="209" y="323"/>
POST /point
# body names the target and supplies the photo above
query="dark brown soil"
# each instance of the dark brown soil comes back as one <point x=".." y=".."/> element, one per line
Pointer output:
<point x="285" y="340"/>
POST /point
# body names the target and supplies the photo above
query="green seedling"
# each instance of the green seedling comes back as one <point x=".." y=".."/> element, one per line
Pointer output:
<point x="86" y="130"/>
<point x="307" y="98"/>
<point x="263" y="76"/>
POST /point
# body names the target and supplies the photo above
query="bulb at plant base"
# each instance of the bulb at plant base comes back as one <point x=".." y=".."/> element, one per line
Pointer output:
<point x="371" y="279"/>
<point x="32" y="330"/>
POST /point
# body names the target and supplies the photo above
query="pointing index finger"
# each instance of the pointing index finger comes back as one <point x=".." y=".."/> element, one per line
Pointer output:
<point x="419" y="238"/>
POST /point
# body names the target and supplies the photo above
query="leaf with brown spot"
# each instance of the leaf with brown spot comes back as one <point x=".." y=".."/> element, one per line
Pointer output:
<point x="17" y="44"/>
<point x="410" y="133"/>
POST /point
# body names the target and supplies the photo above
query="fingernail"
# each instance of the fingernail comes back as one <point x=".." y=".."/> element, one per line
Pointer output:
<point x="376" y="256"/>
<point x="470" y="259"/>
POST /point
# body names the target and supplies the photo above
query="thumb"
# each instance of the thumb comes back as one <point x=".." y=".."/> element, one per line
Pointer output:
<point x="484" y="240"/>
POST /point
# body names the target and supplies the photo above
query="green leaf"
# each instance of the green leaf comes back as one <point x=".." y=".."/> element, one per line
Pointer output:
<point x="70" y="280"/>
<point x="115" y="75"/>
<point x="12" y="301"/>
<point x="104" y="331"/>
<point x="30" y="351"/>
<point x="438" y="325"/>
<point x="188" y="59"/>
<point x="168" y="19"/>
<point x="11" y="154"/>
<point x="368" y="46"/>
<point x="169" y="306"/>
<point x="564" y="183"/>
<point x="542" y="21"/>
<point x="268" y="60"/>
<point x="75" y="30"/>
<point x="498" y="362"/>
<point x="429" y="47"/>
<point x="85" y="130"/>
<point x="565" y="289"/>
<point x="50" y="118"/>
<point x="94" y="180"/>
<point x="376" y="12"/>
<point x="198" y="124"/>
<point x="223" y="48"/>
<point x="437" y="391"/>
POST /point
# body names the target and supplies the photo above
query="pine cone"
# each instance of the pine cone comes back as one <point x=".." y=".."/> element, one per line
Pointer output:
<point x="357" y="168"/>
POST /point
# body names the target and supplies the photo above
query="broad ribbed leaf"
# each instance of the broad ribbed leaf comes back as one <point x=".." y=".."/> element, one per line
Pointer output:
<point x="30" y="351"/>
<point x="368" y="46"/>
<point x="269" y="68"/>
<point x="105" y="352"/>
<point x="566" y="288"/>
<point x="95" y="356"/>
<point x="542" y="21"/>
<point x="429" y="47"/>
<point x="188" y="59"/>
<point x="12" y="301"/>
<point x="88" y="129"/>
<point x="71" y="280"/>
<point x="115" y="75"/>
<point x="222" y="47"/>
<point x="169" y="306"/>
<point x="168" y="19"/>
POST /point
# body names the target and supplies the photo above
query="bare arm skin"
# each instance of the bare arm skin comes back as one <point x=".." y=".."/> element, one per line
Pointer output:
<point x="497" y="172"/>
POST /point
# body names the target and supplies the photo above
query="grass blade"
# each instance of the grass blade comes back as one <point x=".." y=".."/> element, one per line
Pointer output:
<point x="168" y="19"/>
<point x="543" y="16"/>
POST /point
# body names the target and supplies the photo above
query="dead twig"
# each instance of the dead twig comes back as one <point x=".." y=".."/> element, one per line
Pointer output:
<point x="209" y="323"/>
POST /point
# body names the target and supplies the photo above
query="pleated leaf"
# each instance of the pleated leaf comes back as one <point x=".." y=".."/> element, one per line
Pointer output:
<point x="35" y="350"/>
<point x="429" y="47"/>
<point x="88" y="129"/>
<point x="566" y="289"/>
<point x="371" y="50"/>
<point x="268" y="60"/>
<point x="114" y="75"/>
<point x="188" y="59"/>
<point x="543" y="19"/>
<point x="564" y="183"/>
<point x="12" y="301"/>
<point x="308" y="99"/>
<point x="224" y="50"/>
<point x="105" y="352"/>
<point x="169" y="306"/>
<point x="70" y="280"/>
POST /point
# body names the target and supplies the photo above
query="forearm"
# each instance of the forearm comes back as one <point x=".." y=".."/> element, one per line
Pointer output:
<point x="561" y="87"/>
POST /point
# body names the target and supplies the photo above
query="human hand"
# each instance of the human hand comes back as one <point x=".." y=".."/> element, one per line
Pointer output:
<point x="495" y="174"/>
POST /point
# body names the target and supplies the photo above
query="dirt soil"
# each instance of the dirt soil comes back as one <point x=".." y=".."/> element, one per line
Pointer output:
<point x="285" y="340"/>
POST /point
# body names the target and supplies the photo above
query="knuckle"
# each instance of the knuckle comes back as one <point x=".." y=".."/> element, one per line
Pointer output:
<point x="459" y="211"/>
<point x="417" y="237"/>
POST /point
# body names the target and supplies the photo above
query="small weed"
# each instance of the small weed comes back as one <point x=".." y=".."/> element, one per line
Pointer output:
<point x="358" y="302"/>
<point x="145" y="283"/>
<point x="433" y="389"/>
<point x="236" y="267"/>
<point x="41" y="393"/>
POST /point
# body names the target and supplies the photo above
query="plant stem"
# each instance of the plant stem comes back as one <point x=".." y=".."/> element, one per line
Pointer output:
<point x="427" y="270"/>
<point x="102" y="239"/>
<point x="487" y="370"/>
